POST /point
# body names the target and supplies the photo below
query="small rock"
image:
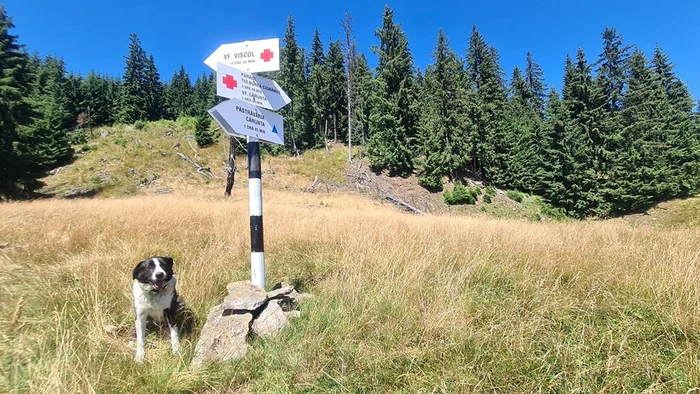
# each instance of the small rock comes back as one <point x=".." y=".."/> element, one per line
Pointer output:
<point x="132" y="171"/>
<point x="301" y="297"/>
<point x="271" y="320"/>
<point x="169" y="132"/>
<point x="223" y="336"/>
<point x="280" y="292"/>
<point x="111" y="329"/>
<point x="104" y="133"/>
<point x="244" y="295"/>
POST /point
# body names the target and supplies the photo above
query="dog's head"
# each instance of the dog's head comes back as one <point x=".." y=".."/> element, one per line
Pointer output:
<point x="154" y="273"/>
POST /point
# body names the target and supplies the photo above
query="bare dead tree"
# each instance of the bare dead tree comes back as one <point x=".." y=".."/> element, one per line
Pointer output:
<point x="231" y="170"/>
<point x="350" y="55"/>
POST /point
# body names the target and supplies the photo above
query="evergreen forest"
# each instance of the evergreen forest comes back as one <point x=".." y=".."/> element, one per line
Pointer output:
<point x="619" y="136"/>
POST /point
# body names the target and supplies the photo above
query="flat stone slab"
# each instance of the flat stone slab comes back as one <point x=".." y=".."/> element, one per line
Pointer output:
<point x="271" y="320"/>
<point x="244" y="296"/>
<point x="283" y="291"/>
<point x="223" y="336"/>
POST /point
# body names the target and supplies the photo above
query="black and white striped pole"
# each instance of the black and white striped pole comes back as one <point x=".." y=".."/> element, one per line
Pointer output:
<point x="257" y="248"/>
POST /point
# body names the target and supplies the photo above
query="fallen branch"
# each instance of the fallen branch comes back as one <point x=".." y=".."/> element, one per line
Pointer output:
<point x="403" y="204"/>
<point x="204" y="171"/>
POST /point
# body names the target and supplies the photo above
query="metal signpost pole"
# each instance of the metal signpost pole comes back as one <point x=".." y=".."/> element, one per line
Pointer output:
<point x="257" y="249"/>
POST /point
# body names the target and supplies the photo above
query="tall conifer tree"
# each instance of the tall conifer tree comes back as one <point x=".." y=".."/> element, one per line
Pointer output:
<point x="133" y="93"/>
<point x="15" y="108"/>
<point x="394" y="118"/>
<point x="445" y="150"/>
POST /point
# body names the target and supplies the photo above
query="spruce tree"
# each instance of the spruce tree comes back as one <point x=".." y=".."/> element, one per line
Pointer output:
<point x="95" y="90"/>
<point x="350" y="56"/>
<point x="154" y="91"/>
<point x="133" y="97"/>
<point x="535" y="84"/>
<point x="675" y="89"/>
<point x="612" y="69"/>
<point x="15" y="108"/>
<point x="524" y="164"/>
<point x="318" y="87"/>
<point x="201" y="95"/>
<point x="75" y="100"/>
<point x="336" y="80"/>
<point x="659" y="155"/>
<point x="180" y="95"/>
<point x="579" y="193"/>
<point x="202" y="135"/>
<point x="489" y="151"/>
<point x="293" y="80"/>
<point x="394" y="119"/>
<point x="445" y="149"/>
<point x="46" y="139"/>
<point x="362" y="90"/>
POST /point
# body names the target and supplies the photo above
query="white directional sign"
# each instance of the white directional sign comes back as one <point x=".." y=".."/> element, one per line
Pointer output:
<point x="252" y="56"/>
<point x="239" y="118"/>
<point x="232" y="82"/>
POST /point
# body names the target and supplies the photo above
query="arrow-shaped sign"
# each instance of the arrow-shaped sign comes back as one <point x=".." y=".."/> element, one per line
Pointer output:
<point x="252" y="56"/>
<point x="234" y="83"/>
<point x="239" y="118"/>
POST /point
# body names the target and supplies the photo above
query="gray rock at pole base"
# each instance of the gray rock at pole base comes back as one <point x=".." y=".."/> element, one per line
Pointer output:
<point x="223" y="336"/>
<point x="245" y="296"/>
<point x="226" y="329"/>
<point x="271" y="320"/>
<point x="282" y="291"/>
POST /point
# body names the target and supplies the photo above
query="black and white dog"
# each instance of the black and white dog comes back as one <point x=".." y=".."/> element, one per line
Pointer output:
<point x="155" y="297"/>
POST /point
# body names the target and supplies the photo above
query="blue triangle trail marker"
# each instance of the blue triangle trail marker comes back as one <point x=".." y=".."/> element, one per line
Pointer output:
<point x="274" y="129"/>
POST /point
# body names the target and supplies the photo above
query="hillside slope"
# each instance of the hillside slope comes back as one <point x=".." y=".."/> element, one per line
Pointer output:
<point x="162" y="158"/>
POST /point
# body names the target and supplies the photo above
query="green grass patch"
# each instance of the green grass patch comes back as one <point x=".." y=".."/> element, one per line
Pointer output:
<point x="330" y="167"/>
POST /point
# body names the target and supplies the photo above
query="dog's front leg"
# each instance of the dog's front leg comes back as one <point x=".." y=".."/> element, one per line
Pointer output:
<point x="140" y="334"/>
<point x="174" y="334"/>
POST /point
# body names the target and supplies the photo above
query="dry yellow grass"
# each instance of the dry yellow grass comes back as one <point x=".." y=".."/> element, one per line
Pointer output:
<point x="403" y="303"/>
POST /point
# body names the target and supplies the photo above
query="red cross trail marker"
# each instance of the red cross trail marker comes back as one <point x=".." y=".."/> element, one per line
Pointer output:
<point x="250" y="88"/>
<point x="230" y="82"/>
<point x="266" y="55"/>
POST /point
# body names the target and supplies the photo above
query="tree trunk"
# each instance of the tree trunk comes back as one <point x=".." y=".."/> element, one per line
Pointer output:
<point x="231" y="171"/>
<point x="349" y="114"/>
<point x="294" y="144"/>
<point x="325" y="138"/>
<point x="335" y="130"/>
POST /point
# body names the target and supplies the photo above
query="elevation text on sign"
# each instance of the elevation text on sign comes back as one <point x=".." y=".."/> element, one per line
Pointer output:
<point x="252" y="56"/>
<point x="234" y="83"/>
<point x="239" y="118"/>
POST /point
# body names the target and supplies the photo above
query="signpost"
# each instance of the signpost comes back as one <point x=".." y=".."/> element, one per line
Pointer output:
<point x="252" y="56"/>
<point x="238" y="118"/>
<point x="235" y="83"/>
<point x="241" y="116"/>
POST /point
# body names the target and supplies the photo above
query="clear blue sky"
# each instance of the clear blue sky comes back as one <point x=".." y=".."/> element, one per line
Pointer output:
<point x="91" y="34"/>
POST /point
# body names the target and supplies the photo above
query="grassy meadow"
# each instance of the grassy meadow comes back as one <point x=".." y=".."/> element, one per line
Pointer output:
<point x="442" y="303"/>
<point x="403" y="303"/>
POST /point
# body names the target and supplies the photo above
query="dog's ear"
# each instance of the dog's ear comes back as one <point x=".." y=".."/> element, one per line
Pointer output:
<point x="168" y="261"/>
<point x="135" y="274"/>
